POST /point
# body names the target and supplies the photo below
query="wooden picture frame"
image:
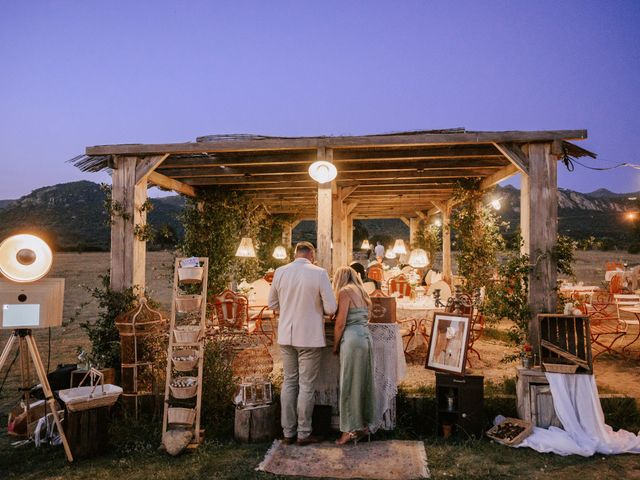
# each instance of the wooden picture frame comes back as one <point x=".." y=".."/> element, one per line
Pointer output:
<point x="448" y="343"/>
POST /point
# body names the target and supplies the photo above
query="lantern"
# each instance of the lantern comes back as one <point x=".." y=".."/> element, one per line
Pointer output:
<point x="245" y="249"/>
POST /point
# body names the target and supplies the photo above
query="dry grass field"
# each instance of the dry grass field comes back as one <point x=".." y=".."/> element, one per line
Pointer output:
<point x="82" y="270"/>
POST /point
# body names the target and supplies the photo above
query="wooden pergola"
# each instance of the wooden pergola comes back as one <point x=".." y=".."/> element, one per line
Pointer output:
<point x="408" y="175"/>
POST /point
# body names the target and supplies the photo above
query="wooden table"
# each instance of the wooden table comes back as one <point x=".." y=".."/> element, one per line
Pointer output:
<point x="389" y="370"/>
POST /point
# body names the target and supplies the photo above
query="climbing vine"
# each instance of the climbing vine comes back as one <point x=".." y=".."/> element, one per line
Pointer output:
<point x="477" y="235"/>
<point x="429" y="238"/>
<point x="215" y="222"/>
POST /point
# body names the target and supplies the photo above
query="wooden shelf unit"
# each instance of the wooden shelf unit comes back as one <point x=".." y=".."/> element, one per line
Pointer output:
<point x="194" y="402"/>
<point x="466" y="415"/>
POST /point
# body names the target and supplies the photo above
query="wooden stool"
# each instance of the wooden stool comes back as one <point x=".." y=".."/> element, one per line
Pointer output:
<point x="256" y="425"/>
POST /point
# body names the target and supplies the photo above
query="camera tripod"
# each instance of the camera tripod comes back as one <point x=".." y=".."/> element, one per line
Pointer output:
<point x="27" y="343"/>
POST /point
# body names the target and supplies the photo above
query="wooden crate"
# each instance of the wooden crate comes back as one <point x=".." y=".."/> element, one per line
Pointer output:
<point x="495" y="433"/>
<point x="565" y="340"/>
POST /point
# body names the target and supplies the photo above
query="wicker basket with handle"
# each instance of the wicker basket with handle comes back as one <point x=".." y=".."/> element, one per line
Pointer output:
<point x="181" y="416"/>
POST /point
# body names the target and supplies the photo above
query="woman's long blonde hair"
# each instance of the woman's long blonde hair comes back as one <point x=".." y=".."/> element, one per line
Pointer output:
<point x="348" y="276"/>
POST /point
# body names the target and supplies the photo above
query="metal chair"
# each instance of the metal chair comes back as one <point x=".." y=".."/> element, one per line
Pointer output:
<point x="260" y="316"/>
<point x="606" y="326"/>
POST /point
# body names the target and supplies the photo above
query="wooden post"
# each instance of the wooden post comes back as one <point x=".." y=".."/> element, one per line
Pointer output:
<point x="128" y="253"/>
<point x="349" y="238"/>
<point x="446" y="244"/>
<point x="413" y="231"/>
<point x="539" y="229"/>
<point x="323" y="252"/>
<point x="337" y="236"/>
<point x="287" y="234"/>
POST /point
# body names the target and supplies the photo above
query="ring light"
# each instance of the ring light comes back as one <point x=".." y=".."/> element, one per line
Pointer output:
<point x="25" y="258"/>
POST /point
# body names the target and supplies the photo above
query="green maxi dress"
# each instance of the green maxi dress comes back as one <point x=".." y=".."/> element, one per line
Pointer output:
<point x="357" y="402"/>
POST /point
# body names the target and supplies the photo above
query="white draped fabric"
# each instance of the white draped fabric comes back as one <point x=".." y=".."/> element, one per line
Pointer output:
<point x="577" y="406"/>
<point x="389" y="368"/>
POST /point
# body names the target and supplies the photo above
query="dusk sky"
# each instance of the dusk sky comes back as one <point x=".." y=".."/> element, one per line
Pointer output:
<point x="79" y="73"/>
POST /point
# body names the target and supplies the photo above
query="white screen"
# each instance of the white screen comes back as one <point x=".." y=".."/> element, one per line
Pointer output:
<point x="19" y="316"/>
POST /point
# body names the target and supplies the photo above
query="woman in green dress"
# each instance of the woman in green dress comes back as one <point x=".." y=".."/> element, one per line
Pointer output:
<point x="353" y="344"/>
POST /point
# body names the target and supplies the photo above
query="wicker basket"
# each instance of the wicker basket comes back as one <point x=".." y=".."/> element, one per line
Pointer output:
<point x="182" y="393"/>
<point x="188" y="303"/>
<point x="181" y="416"/>
<point x="187" y="334"/>
<point x="91" y="396"/>
<point x="494" y="431"/>
<point x="559" y="367"/>
<point x="184" y="365"/>
<point x="190" y="274"/>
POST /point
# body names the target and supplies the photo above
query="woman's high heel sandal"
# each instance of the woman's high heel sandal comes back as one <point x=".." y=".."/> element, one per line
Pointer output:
<point x="347" y="437"/>
<point x="361" y="434"/>
<point x="353" y="436"/>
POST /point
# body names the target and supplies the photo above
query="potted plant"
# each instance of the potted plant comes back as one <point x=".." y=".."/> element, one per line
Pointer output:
<point x="526" y="354"/>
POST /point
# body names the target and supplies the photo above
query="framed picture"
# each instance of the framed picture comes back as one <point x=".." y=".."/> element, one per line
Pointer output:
<point x="448" y="343"/>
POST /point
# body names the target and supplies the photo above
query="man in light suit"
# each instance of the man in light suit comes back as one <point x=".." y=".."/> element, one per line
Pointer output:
<point x="302" y="293"/>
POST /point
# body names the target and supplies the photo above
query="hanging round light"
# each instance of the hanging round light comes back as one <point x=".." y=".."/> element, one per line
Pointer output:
<point x="389" y="254"/>
<point x="323" y="171"/>
<point x="496" y="204"/>
<point x="418" y="258"/>
<point x="280" y="253"/>
<point x="245" y="249"/>
<point x="365" y="245"/>
<point x="437" y="222"/>
<point x="399" y="247"/>
<point x="25" y="258"/>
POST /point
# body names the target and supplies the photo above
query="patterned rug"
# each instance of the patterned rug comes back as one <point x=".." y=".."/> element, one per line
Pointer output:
<point x="388" y="460"/>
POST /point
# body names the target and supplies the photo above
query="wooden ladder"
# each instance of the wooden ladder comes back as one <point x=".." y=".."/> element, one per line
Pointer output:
<point x="177" y="319"/>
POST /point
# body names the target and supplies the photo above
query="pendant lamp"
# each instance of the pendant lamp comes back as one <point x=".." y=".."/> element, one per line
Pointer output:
<point x="399" y="247"/>
<point x="322" y="171"/>
<point x="365" y="245"/>
<point x="418" y="258"/>
<point x="280" y="253"/>
<point x="245" y="249"/>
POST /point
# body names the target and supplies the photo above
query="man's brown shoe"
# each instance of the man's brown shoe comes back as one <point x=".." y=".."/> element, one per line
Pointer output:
<point x="302" y="442"/>
<point x="288" y="440"/>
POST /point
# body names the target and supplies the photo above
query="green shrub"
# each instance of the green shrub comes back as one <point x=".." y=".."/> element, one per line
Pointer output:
<point x="218" y="389"/>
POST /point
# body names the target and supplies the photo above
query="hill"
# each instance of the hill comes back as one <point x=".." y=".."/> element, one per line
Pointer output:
<point x="72" y="217"/>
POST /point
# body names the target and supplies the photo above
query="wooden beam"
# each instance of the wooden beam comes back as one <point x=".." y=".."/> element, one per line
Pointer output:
<point x="171" y="184"/>
<point x="146" y="165"/>
<point x="499" y="176"/>
<point x="222" y="170"/>
<point x="356" y="176"/>
<point x="405" y="220"/>
<point x="514" y="154"/>
<point x="217" y="145"/>
<point x="445" y="210"/>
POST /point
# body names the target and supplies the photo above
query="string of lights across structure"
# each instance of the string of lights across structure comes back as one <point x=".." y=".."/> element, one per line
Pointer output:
<point x="398" y="175"/>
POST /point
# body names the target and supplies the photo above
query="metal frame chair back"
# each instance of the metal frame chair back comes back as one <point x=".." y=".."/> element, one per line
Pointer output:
<point x="232" y="310"/>
<point x="399" y="284"/>
<point x="375" y="273"/>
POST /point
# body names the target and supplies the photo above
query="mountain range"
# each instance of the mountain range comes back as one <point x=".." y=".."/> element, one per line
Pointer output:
<point x="72" y="217"/>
